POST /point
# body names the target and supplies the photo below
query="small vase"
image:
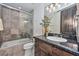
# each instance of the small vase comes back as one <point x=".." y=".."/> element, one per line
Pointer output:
<point x="46" y="31"/>
<point x="46" y="34"/>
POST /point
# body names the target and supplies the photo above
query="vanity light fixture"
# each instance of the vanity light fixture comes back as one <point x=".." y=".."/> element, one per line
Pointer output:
<point x="52" y="7"/>
<point x="47" y="8"/>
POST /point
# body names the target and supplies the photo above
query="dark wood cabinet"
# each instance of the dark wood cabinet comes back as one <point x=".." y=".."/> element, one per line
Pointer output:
<point x="44" y="49"/>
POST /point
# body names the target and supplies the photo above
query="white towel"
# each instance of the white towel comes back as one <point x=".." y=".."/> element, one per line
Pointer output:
<point x="1" y="25"/>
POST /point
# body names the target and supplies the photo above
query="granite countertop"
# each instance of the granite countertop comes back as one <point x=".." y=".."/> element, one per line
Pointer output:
<point x="68" y="46"/>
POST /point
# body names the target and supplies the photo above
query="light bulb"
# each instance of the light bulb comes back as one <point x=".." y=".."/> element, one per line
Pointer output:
<point x="51" y="6"/>
<point x="65" y="4"/>
<point x="47" y="8"/>
<point x="58" y="5"/>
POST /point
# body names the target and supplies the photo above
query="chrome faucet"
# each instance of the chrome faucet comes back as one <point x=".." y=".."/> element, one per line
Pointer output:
<point x="61" y="35"/>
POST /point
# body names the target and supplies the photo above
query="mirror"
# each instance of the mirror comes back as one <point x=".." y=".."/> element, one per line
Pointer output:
<point x="53" y="12"/>
<point x="62" y="19"/>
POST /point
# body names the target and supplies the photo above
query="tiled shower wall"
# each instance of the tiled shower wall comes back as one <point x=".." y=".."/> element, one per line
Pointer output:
<point x="13" y="24"/>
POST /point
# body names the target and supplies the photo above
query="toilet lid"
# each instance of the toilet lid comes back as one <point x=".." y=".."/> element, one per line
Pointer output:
<point x="28" y="45"/>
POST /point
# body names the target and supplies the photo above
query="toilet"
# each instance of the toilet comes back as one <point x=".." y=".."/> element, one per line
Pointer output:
<point x="29" y="49"/>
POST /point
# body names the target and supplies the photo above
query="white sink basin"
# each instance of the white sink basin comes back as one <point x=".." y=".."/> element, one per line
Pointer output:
<point x="58" y="39"/>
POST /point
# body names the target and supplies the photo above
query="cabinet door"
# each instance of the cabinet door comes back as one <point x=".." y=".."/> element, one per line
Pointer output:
<point x="43" y="53"/>
<point x="66" y="54"/>
<point x="59" y="52"/>
<point x="45" y="47"/>
<point x="56" y="51"/>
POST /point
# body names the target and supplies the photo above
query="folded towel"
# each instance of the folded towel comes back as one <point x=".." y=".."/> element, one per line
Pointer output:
<point x="1" y="25"/>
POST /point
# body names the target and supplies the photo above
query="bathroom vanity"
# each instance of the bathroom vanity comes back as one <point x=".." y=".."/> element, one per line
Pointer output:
<point x="46" y="47"/>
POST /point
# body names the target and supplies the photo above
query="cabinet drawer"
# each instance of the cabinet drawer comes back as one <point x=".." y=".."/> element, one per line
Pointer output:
<point x="46" y="47"/>
<point x="57" y="51"/>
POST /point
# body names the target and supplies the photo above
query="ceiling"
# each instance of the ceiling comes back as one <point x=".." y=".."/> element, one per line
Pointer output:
<point x="62" y="6"/>
<point x="30" y="6"/>
<point x="24" y="6"/>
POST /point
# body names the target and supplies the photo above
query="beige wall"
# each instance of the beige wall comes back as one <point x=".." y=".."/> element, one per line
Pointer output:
<point x="55" y="23"/>
<point x="37" y="19"/>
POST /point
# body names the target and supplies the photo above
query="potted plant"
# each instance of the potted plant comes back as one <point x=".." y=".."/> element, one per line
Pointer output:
<point x="45" y="23"/>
